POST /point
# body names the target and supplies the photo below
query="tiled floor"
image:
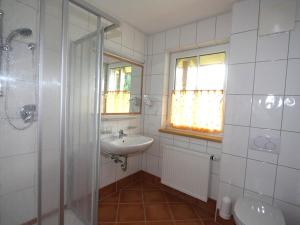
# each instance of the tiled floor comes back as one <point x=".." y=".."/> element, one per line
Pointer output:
<point x="146" y="204"/>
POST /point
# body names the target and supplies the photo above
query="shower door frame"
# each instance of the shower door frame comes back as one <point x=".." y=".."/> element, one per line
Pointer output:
<point x="63" y="98"/>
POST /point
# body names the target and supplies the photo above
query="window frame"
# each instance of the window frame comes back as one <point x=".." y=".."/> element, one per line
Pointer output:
<point x="171" y="85"/>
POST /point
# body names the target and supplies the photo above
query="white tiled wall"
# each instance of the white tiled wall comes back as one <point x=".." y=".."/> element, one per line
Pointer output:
<point x="110" y="171"/>
<point x="18" y="155"/>
<point x="262" y="99"/>
<point x="127" y="42"/>
<point x="200" y="33"/>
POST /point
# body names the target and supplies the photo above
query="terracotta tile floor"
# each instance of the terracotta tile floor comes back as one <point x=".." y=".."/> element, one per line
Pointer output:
<point x="146" y="204"/>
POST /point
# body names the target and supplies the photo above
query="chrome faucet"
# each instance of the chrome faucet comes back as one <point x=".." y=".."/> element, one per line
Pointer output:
<point x="122" y="134"/>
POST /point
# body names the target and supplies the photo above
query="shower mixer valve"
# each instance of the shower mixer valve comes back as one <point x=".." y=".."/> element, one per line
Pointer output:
<point x="28" y="113"/>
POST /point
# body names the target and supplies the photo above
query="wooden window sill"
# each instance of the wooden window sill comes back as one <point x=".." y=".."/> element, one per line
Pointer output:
<point x="191" y="134"/>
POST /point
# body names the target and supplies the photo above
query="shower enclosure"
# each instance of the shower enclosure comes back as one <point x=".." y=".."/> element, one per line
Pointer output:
<point x="51" y="58"/>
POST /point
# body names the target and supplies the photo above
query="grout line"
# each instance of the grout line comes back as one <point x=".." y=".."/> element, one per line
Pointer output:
<point x="241" y="32"/>
<point x="118" y="207"/>
<point x="143" y="204"/>
<point x="169" y="207"/>
<point x="281" y="122"/>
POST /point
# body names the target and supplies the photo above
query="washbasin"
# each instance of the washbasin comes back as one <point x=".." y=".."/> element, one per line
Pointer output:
<point x="126" y="145"/>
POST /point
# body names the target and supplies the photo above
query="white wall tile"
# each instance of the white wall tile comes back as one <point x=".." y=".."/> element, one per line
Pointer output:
<point x="154" y="148"/>
<point x="243" y="47"/>
<point x="231" y="191"/>
<point x="290" y="150"/>
<point x="76" y="32"/>
<point x="127" y="52"/>
<point x="19" y="94"/>
<point x="155" y="108"/>
<point x="294" y="51"/>
<point x="291" y="114"/>
<point x="181" y="141"/>
<point x="164" y="141"/>
<point x="78" y="16"/>
<point x="276" y="16"/>
<point x="153" y="165"/>
<point x="206" y="30"/>
<point x="298" y="11"/>
<point x="8" y="136"/>
<point x="197" y="148"/>
<point x="267" y="111"/>
<point x="272" y="47"/>
<point x="132" y="167"/>
<point x="139" y="42"/>
<point x="214" y="144"/>
<point x="172" y="38"/>
<point x="158" y="64"/>
<point x="147" y="85"/>
<point x="188" y="35"/>
<point x="260" y="177"/>
<point x="165" y="135"/>
<point x="223" y="27"/>
<point x="235" y="140"/>
<point x="159" y="43"/>
<point x="217" y="152"/>
<point x="17" y="173"/>
<point x="198" y="141"/>
<point x="238" y="109"/>
<point x="290" y="212"/>
<point x="18" y="15"/>
<point x="233" y="170"/>
<point x="215" y="166"/>
<point x="151" y="124"/>
<point x="114" y="35"/>
<point x="108" y="173"/>
<point x="293" y="77"/>
<point x="287" y="185"/>
<point x="213" y="189"/>
<point x="245" y="16"/>
<point x="240" y="79"/>
<point x="181" y="138"/>
<point x="112" y="46"/>
<point x="138" y="57"/>
<point x="148" y="65"/>
<point x="52" y="41"/>
<point x="127" y="36"/>
<point x="157" y="83"/>
<point x="18" y="207"/>
<point x="262" y="155"/>
<point x="270" y="77"/>
<point x="149" y="43"/>
<point x="258" y="196"/>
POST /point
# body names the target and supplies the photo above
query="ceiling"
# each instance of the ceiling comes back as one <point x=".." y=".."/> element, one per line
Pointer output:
<point x="151" y="16"/>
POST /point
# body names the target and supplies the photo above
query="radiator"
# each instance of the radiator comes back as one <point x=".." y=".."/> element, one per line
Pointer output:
<point x="186" y="171"/>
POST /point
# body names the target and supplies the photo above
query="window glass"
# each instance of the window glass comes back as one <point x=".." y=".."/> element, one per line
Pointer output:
<point x="197" y="98"/>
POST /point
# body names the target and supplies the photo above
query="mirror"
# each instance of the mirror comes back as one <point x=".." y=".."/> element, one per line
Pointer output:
<point x="121" y="85"/>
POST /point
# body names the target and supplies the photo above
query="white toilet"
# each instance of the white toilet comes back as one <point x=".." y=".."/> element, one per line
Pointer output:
<point x="249" y="211"/>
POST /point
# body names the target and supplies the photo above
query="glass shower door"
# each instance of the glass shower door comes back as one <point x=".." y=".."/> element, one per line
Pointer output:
<point x="69" y="107"/>
<point x="82" y="116"/>
<point x="81" y="127"/>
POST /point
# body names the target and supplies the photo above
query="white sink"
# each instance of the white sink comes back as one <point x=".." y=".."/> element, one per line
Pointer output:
<point x="126" y="145"/>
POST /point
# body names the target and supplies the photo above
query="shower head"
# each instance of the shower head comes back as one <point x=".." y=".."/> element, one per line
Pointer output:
<point x="24" y="32"/>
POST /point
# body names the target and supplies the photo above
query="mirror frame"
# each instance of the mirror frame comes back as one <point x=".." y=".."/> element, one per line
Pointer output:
<point x="109" y="54"/>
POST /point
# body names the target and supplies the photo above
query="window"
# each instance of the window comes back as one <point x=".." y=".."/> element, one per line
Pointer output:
<point x="118" y="90"/>
<point x="197" y="90"/>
